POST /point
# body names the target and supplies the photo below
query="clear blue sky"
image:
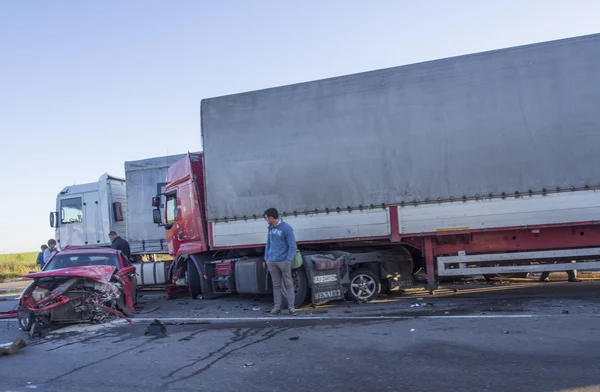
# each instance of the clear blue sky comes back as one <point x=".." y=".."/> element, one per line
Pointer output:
<point x="87" y="85"/>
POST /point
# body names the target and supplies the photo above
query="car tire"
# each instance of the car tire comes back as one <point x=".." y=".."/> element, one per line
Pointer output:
<point x="26" y="320"/>
<point x="194" y="284"/>
<point x="364" y="285"/>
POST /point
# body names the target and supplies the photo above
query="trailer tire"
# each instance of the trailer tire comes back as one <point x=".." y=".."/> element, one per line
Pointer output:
<point x="300" y="288"/>
<point x="364" y="285"/>
<point x="194" y="284"/>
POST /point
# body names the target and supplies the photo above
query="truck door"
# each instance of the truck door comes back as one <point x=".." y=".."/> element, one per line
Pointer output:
<point x="93" y="223"/>
<point x="71" y="221"/>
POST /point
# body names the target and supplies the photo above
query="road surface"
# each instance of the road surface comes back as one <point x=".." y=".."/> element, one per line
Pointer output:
<point x="518" y="337"/>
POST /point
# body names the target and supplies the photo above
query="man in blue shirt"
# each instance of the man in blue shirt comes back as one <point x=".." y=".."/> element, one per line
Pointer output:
<point x="279" y="253"/>
<point x="40" y="257"/>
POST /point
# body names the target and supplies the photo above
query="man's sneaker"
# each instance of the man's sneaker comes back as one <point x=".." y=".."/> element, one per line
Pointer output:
<point x="293" y="312"/>
<point x="273" y="312"/>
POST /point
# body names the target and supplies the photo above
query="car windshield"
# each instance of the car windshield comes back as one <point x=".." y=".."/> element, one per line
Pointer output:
<point x="81" y="260"/>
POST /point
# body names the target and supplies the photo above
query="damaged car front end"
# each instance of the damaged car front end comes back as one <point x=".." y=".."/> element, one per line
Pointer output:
<point x="81" y="293"/>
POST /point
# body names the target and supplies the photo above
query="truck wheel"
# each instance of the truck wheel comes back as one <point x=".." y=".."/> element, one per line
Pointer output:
<point x="364" y="285"/>
<point x="26" y="320"/>
<point x="300" y="288"/>
<point x="193" y="276"/>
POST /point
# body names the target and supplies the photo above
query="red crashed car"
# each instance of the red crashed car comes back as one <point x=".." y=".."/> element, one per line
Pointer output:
<point x="80" y="284"/>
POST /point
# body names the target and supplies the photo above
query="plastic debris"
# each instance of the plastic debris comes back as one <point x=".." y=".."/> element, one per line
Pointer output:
<point x="256" y="309"/>
<point x="505" y="332"/>
<point x="412" y="330"/>
<point x="295" y="338"/>
<point x="13" y="348"/>
<point x="248" y="364"/>
<point x="156" y="328"/>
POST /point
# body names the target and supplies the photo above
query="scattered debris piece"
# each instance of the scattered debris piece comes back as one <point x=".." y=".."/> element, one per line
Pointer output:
<point x="150" y="310"/>
<point x="256" y="309"/>
<point x="455" y="290"/>
<point x="415" y="305"/>
<point x="295" y="338"/>
<point x="248" y="364"/>
<point x="412" y="330"/>
<point x="156" y="328"/>
<point x="17" y="345"/>
<point x="565" y="312"/>
<point x="505" y="332"/>
<point x="446" y="313"/>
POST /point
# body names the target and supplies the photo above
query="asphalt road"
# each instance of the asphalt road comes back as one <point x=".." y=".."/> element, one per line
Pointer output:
<point x="517" y="338"/>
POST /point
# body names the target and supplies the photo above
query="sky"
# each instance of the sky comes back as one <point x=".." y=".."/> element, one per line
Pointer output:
<point x="87" y="85"/>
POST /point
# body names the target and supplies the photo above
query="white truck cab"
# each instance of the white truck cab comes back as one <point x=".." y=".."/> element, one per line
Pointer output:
<point x="86" y="213"/>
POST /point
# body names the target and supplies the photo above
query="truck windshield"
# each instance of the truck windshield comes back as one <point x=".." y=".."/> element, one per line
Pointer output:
<point x="83" y="260"/>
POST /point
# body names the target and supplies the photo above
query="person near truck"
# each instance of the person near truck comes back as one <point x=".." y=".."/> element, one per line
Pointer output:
<point x="119" y="243"/>
<point x="279" y="253"/>
<point x="51" y="250"/>
<point x="40" y="257"/>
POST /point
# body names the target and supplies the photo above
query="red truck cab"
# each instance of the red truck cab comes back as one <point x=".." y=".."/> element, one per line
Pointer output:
<point x="184" y="218"/>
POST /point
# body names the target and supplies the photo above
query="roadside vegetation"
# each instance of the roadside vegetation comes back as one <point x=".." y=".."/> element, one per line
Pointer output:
<point x="18" y="264"/>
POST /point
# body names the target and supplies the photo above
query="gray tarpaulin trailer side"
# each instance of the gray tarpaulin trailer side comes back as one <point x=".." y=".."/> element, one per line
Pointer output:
<point x="513" y="120"/>
<point x="144" y="180"/>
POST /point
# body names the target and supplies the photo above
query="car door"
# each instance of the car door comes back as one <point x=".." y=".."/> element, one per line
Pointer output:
<point x="128" y="274"/>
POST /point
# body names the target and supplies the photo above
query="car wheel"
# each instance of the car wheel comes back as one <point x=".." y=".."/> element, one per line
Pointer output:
<point x="193" y="276"/>
<point x="26" y="320"/>
<point x="364" y="285"/>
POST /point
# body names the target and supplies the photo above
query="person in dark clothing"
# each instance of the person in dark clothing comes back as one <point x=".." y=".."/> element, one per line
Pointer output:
<point x="119" y="243"/>
<point x="40" y="257"/>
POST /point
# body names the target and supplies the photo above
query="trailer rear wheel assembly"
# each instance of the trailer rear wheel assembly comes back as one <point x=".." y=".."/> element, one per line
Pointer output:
<point x="364" y="285"/>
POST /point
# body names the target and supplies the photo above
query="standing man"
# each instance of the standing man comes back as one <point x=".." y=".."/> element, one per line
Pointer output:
<point x="279" y="253"/>
<point x="40" y="257"/>
<point x="51" y="250"/>
<point x="119" y="243"/>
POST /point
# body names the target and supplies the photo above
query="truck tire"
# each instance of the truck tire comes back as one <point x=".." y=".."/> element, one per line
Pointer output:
<point x="194" y="284"/>
<point x="364" y="285"/>
<point x="300" y="288"/>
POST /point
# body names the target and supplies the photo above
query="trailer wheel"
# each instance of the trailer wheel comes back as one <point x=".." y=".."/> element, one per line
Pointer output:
<point x="300" y="288"/>
<point x="193" y="276"/>
<point x="26" y="320"/>
<point x="364" y="285"/>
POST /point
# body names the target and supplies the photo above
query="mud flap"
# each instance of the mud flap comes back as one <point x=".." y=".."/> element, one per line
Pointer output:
<point x="325" y="276"/>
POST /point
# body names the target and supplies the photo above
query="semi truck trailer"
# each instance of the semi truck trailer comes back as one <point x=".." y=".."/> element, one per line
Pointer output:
<point x="86" y="213"/>
<point x="478" y="164"/>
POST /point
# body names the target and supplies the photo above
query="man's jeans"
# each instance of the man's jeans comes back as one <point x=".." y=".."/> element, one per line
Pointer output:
<point x="279" y="271"/>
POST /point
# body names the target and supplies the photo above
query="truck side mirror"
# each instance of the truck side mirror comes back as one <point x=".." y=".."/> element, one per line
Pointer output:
<point x="156" y="202"/>
<point x="156" y="216"/>
<point x="53" y="220"/>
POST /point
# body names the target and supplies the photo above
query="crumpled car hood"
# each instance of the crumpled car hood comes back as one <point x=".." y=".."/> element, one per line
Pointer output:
<point x="98" y="273"/>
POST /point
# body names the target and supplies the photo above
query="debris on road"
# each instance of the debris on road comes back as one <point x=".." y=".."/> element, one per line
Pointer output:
<point x="14" y="347"/>
<point x="248" y="364"/>
<point x="256" y="309"/>
<point x="412" y="330"/>
<point x="565" y="312"/>
<point x="295" y="338"/>
<point x="505" y="332"/>
<point x="156" y="328"/>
